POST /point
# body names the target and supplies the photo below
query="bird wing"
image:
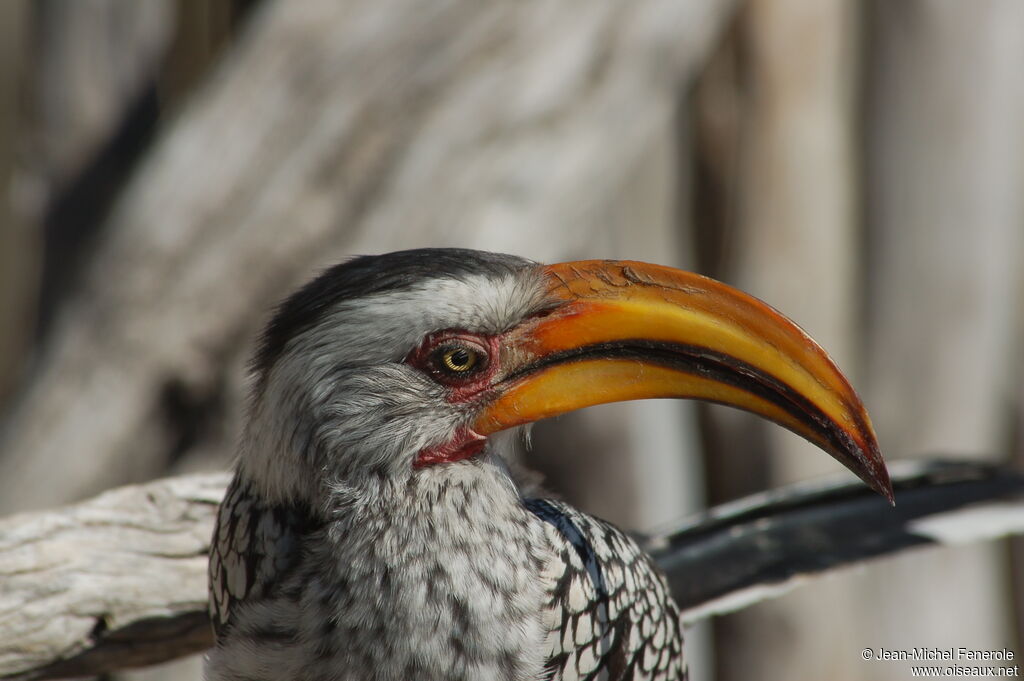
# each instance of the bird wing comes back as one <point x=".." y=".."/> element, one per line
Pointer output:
<point x="609" y="615"/>
<point x="254" y="547"/>
<point x="742" y="552"/>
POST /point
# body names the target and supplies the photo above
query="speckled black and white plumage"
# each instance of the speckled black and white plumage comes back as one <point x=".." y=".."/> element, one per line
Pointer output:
<point x="295" y="597"/>
<point x="335" y="558"/>
<point x="610" y="615"/>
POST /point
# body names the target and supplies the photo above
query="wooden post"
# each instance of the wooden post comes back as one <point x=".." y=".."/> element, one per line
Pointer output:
<point x="943" y="171"/>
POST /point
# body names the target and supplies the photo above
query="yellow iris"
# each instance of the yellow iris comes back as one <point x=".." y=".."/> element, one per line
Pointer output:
<point x="459" y="360"/>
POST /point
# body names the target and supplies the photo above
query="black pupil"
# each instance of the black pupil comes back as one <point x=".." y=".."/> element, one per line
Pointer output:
<point x="459" y="359"/>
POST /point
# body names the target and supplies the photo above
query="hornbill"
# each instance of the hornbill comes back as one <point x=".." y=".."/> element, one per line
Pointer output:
<point x="373" y="529"/>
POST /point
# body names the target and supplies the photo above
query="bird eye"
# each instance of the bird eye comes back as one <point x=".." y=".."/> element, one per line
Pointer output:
<point x="455" y="359"/>
<point x="459" y="360"/>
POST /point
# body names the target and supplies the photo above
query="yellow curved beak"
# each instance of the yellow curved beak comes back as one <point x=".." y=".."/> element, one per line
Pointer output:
<point x="622" y="330"/>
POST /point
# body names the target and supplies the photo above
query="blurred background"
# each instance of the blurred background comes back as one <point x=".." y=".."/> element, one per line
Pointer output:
<point x="171" y="168"/>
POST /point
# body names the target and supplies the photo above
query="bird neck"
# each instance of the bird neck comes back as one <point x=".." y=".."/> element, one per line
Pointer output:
<point x="441" y="499"/>
<point x="450" y="554"/>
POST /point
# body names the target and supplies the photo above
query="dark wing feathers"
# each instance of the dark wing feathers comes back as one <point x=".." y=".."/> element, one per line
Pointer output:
<point x="254" y="548"/>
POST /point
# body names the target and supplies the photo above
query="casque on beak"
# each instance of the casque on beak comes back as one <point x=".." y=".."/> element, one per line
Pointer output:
<point x="626" y="330"/>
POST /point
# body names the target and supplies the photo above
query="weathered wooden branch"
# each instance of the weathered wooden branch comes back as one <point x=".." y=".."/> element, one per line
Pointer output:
<point x="120" y="580"/>
<point x="114" y="582"/>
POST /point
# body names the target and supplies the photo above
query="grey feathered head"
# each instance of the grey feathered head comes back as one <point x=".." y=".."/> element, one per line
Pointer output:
<point x="386" y="366"/>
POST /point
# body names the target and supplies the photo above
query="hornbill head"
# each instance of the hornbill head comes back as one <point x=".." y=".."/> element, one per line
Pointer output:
<point x="392" y="366"/>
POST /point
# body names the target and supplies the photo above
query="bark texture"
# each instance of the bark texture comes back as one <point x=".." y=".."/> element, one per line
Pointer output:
<point x="115" y="582"/>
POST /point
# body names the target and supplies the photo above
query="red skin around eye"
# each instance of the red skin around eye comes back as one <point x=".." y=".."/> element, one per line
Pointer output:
<point x="459" y="389"/>
<point x="465" y="443"/>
